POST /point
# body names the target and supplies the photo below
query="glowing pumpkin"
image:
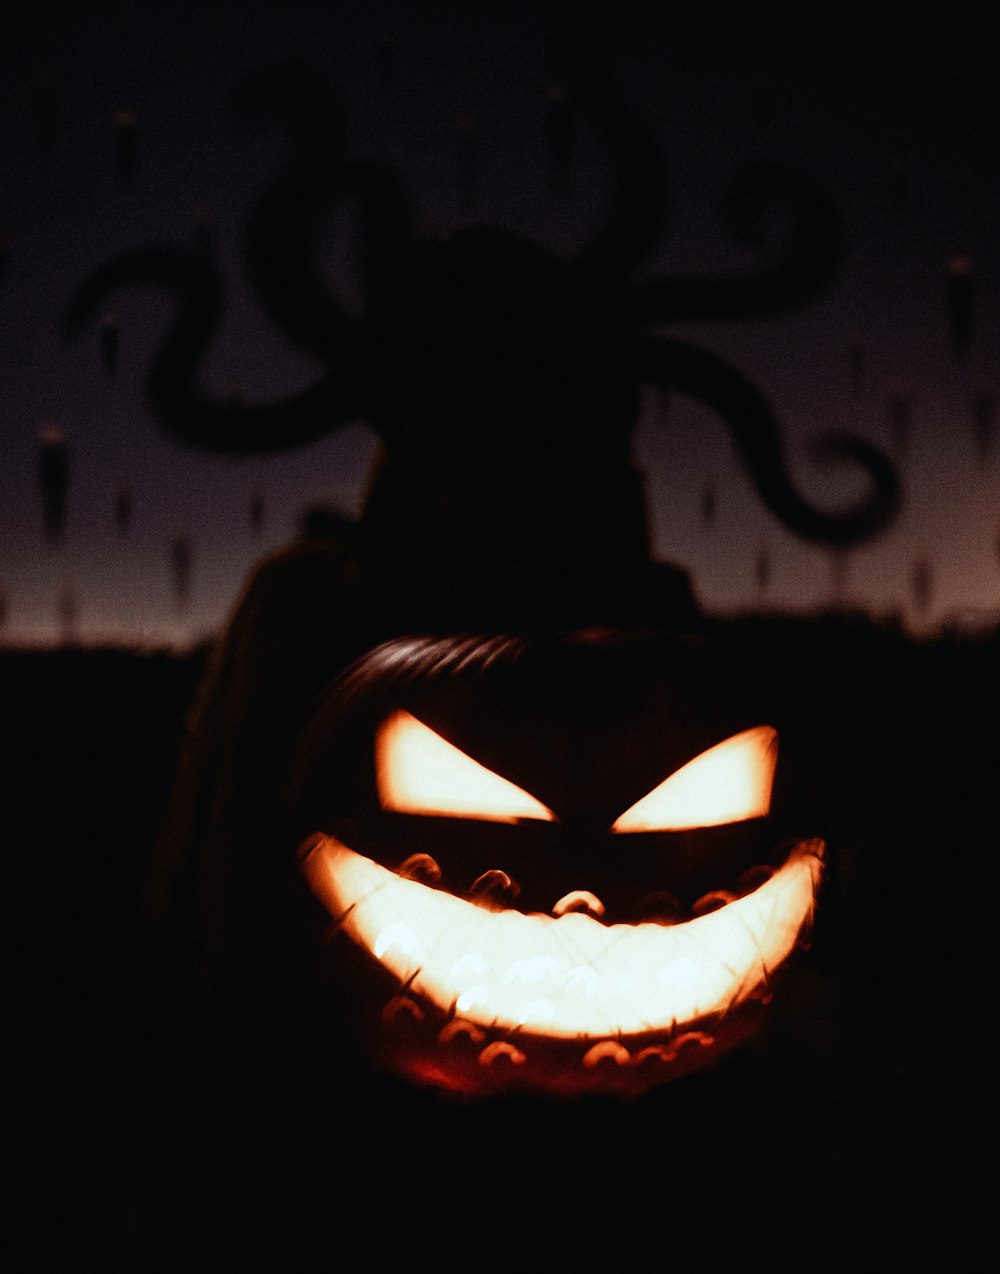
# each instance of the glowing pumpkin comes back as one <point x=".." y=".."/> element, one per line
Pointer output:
<point x="549" y="865"/>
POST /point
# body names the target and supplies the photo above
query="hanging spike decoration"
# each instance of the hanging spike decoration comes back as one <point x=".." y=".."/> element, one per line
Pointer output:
<point x="984" y="420"/>
<point x="109" y="343"/>
<point x="961" y="304"/>
<point x="68" y="614"/>
<point x="839" y="571"/>
<point x="921" y="584"/>
<point x="856" y="369"/>
<point x="123" y="508"/>
<point x="709" y="505"/>
<point x="258" y="510"/>
<point x="126" y="144"/>
<point x="900" y="412"/>
<point x="468" y="158"/>
<point x="181" y="560"/>
<point x="560" y="136"/>
<point x="53" y="476"/>
<point x="762" y="570"/>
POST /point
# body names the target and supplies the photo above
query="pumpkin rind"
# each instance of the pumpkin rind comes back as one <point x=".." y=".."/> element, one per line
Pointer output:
<point x="533" y="975"/>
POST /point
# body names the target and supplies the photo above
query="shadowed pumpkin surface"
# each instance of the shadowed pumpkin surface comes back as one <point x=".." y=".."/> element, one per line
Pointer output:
<point x="492" y="915"/>
<point x="268" y="1147"/>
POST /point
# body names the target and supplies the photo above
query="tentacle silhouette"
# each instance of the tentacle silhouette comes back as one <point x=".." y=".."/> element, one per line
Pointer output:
<point x="805" y="268"/>
<point x="486" y="342"/>
<point x="678" y="365"/>
<point x="284" y="230"/>
<point x="288" y="225"/>
<point x="53" y="477"/>
<point x="384" y="231"/>
<point x="188" y="413"/>
<point x="634" y="219"/>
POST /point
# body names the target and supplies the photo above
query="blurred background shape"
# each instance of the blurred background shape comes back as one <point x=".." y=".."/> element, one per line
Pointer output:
<point x="53" y="478"/>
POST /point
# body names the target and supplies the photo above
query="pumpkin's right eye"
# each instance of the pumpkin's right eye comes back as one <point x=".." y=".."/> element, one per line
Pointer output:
<point x="726" y="784"/>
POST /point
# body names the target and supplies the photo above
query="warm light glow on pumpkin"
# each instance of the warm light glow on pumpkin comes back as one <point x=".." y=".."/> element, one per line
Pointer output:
<point x="418" y="772"/>
<point x="571" y="975"/>
<point x="730" y="782"/>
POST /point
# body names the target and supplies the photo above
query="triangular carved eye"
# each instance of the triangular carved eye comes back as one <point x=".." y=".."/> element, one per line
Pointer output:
<point x="730" y="782"/>
<point x="418" y="772"/>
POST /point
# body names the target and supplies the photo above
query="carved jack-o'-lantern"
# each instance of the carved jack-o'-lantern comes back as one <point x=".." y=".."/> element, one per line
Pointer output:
<point x="549" y="865"/>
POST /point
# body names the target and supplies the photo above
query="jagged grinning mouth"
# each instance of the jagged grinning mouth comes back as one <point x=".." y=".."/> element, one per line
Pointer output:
<point x="569" y="976"/>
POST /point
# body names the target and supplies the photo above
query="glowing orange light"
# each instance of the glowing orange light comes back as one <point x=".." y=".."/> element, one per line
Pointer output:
<point x="726" y="784"/>
<point x="567" y="976"/>
<point x="418" y="772"/>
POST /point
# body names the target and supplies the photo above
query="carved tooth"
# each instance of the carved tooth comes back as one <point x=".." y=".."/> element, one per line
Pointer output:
<point x="494" y="888"/>
<point x="473" y="997"/>
<point x="460" y="1029"/>
<point x="402" y="1004"/>
<point x="537" y="1012"/>
<point x="579" y="900"/>
<point x="607" y="1050"/>
<point x="535" y="968"/>
<point x="662" y="907"/>
<point x="470" y="964"/>
<point x="501" y="1051"/>
<point x="754" y="877"/>
<point x="420" y="867"/>
<point x="691" y="1039"/>
<point x="398" y="937"/>
<point x="712" y="901"/>
<point x="656" y="1053"/>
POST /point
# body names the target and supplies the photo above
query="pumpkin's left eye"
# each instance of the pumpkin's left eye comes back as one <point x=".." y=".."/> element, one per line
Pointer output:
<point x="726" y="784"/>
<point x="418" y="772"/>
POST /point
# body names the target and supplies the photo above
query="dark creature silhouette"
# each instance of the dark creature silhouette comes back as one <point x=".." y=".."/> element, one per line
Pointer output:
<point x="453" y="333"/>
<point x="503" y="383"/>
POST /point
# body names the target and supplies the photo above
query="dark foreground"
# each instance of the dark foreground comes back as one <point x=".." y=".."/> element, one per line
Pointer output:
<point x="862" y="1130"/>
